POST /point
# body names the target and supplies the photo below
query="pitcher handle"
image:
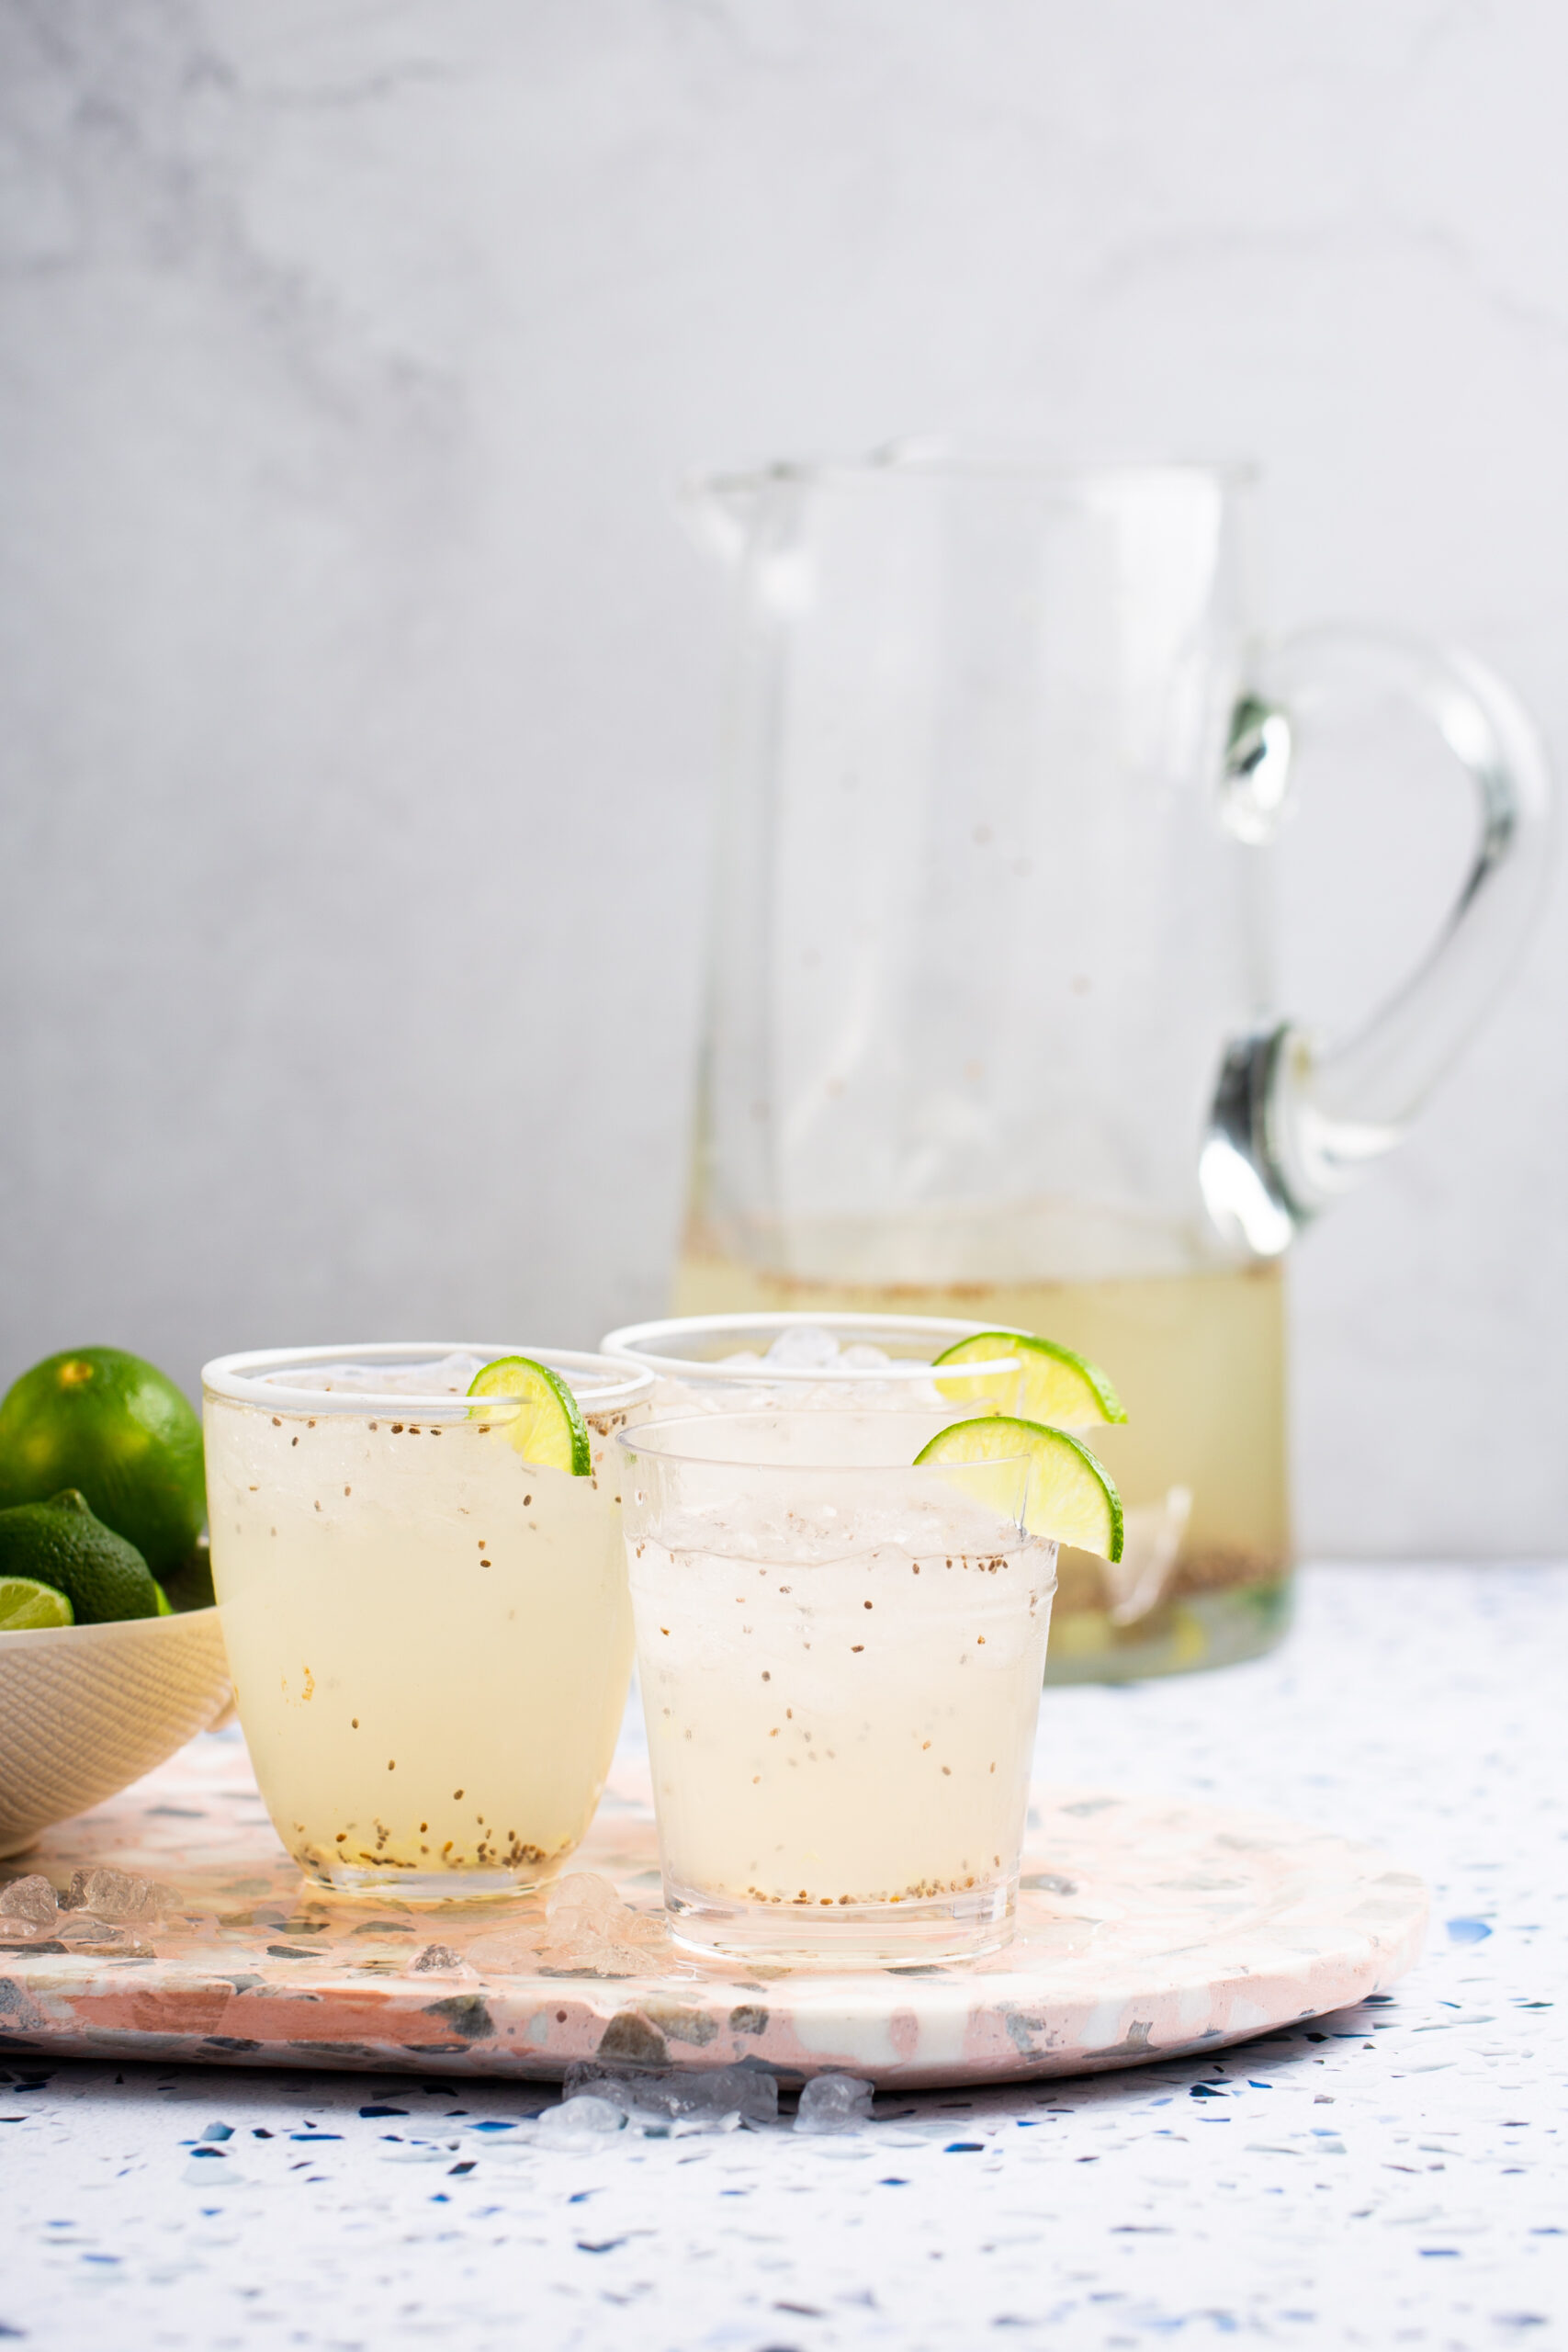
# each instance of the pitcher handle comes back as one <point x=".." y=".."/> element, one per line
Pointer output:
<point x="1298" y="1121"/>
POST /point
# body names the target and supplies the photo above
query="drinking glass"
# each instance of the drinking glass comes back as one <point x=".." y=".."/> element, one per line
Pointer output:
<point x="841" y="1653"/>
<point x="430" y="1635"/>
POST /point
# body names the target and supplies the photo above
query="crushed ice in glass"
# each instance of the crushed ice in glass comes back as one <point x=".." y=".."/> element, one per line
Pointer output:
<point x="833" y="2103"/>
<point x="439" y="1378"/>
<point x="803" y="1347"/>
<point x="451" y="1375"/>
<point x="801" y="1350"/>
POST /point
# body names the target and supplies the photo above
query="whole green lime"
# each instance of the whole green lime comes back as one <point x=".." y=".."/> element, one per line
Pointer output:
<point x="114" y="1428"/>
<point x="60" y="1543"/>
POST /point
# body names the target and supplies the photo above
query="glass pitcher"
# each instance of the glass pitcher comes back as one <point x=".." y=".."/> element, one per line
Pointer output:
<point x="992" y="1029"/>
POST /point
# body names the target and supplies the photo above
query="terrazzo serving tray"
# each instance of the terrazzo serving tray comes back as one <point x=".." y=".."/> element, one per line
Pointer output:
<point x="1145" y="1929"/>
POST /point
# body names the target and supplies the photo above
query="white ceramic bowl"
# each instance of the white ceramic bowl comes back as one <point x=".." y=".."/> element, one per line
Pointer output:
<point x="84" y="1709"/>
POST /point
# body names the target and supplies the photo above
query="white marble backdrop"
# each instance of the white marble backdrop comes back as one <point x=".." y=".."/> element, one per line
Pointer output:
<point x="359" y="687"/>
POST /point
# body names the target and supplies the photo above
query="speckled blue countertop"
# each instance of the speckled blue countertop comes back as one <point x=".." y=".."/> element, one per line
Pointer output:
<point x="1392" y="2176"/>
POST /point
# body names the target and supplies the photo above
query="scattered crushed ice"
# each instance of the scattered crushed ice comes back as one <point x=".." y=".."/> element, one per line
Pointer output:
<point x="434" y="1959"/>
<point x="588" y="1930"/>
<point x="506" y="1952"/>
<point x="85" y="1916"/>
<point x="690" y="2098"/>
<point x="29" y="1900"/>
<point x="588" y="1925"/>
<point x="82" y="1933"/>
<point x="81" y="1928"/>
<point x="114" y="1894"/>
<point x="579" y="2118"/>
<point x="833" y="2103"/>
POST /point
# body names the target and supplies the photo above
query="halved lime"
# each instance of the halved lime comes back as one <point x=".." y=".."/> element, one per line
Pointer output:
<point x="1057" y="1386"/>
<point x="26" y="1606"/>
<point x="551" y="1429"/>
<point x="1072" y="1498"/>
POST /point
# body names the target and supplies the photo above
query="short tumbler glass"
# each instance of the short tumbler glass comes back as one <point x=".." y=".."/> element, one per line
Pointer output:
<point x="841" y="1655"/>
<point x="430" y="1635"/>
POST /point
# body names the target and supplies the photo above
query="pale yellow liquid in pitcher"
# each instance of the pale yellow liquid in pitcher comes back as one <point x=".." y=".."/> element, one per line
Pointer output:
<point x="1198" y="1361"/>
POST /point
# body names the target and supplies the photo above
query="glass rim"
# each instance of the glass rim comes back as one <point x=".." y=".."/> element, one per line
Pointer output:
<point x="637" y="1441"/>
<point x="631" y="1343"/>
<point x="241" y="1379"/>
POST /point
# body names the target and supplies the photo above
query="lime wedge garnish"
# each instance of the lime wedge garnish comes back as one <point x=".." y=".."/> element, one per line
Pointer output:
<point x="27" y="1606"/>
<point x="550" y="1429"/>
<point x="1057" y="1386"/>
<point x="1072" y="1498"/>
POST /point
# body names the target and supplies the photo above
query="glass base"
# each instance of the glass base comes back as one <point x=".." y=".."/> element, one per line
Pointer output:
<point x="1182" y="1636"/>
<point x="859" y="1934"/>
<point x="425" y="1887"/>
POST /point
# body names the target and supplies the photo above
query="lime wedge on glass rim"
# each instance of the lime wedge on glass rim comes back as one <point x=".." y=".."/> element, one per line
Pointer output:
<point x="27" y="1606"/>
<point x="1057" y="1386"/>
<point x="1072" y="1498"/>
<point x="550" y="1428"/>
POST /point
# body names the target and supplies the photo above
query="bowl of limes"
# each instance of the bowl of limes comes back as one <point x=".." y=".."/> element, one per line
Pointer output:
<point x="111" y="1652"/>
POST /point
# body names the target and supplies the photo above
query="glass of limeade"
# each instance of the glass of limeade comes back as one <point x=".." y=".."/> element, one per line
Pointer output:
<point x="841" y="1655"/>
<point x="430" y="1634"/>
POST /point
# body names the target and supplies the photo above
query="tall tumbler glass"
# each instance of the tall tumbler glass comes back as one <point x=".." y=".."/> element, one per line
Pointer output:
<point x="430" y="1634"/>
<point x="841" y="1653"/>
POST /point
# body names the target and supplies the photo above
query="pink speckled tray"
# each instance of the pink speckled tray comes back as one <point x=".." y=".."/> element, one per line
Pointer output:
<point x="1146" y="1928"/>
